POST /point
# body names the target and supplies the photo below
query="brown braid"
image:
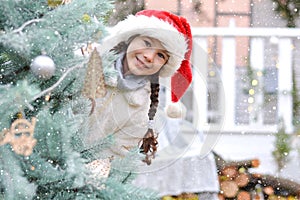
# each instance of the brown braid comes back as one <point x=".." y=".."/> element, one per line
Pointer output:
<point x="149" y="145"/>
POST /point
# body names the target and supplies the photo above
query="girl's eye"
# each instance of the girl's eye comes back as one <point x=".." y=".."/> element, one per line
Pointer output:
<point x="147" y="43"/>
<point x="161" y="55"/>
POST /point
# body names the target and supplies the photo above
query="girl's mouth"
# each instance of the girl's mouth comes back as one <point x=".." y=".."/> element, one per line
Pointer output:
<point x="140" y="63"/>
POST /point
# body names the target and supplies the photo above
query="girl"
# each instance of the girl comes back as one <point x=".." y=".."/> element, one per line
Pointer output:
<point x="149" y="45"/>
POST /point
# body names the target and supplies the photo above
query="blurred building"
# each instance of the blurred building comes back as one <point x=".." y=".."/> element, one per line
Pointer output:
<point x="239" y="14"/>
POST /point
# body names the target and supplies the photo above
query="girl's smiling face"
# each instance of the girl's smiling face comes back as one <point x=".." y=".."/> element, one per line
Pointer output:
<point x="144" y="56"/>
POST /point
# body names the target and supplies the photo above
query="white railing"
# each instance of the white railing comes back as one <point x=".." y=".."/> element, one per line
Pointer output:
<point x="227" y="84"/>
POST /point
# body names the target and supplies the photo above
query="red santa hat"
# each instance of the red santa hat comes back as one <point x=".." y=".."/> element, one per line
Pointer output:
<point x="173" y="32"/>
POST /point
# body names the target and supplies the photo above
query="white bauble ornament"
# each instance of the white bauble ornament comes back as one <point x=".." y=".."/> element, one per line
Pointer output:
<point x="43" y="67"/>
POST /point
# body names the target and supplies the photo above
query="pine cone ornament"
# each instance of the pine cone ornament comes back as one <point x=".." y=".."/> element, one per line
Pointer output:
<point x="99" y="168"/>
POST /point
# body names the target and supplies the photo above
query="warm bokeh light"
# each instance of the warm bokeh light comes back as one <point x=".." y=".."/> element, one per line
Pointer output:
<point x="251" y="91"/>
<point x="250" y="100"/>
<point x="254" y="82"/>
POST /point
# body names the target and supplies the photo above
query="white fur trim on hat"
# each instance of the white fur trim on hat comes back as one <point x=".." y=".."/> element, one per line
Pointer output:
<point x="174" y="41"/>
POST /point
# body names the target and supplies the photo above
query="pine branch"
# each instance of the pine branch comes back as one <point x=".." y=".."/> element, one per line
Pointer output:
<point x="57" y="83"/>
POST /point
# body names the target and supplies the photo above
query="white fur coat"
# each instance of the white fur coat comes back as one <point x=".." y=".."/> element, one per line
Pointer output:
<point x="123" y="114"/>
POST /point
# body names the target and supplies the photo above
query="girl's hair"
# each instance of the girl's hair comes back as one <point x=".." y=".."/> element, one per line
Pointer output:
<point x="122" y="46"/>
<point x="154" y="80"/>
<point x="149" y="142"/>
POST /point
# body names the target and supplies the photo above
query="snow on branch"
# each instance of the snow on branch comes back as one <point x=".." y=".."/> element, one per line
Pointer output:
<point x="26" y="24"/>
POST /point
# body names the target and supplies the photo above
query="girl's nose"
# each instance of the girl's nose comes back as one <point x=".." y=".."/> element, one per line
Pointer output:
<point x="149" y="55"/>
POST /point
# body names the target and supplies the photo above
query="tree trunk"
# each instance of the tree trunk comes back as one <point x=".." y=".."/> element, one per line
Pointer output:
<point x="229" y="189"/>
<point x="281" y="186"/>
<point x="244" y="195"/>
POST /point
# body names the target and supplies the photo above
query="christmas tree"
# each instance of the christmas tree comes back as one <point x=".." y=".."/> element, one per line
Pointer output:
<point x="44" y="55"/>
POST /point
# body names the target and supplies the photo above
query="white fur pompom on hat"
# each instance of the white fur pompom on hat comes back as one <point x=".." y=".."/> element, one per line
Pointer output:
<point x="176" y="110"/>
<point x="172" y="31"/>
